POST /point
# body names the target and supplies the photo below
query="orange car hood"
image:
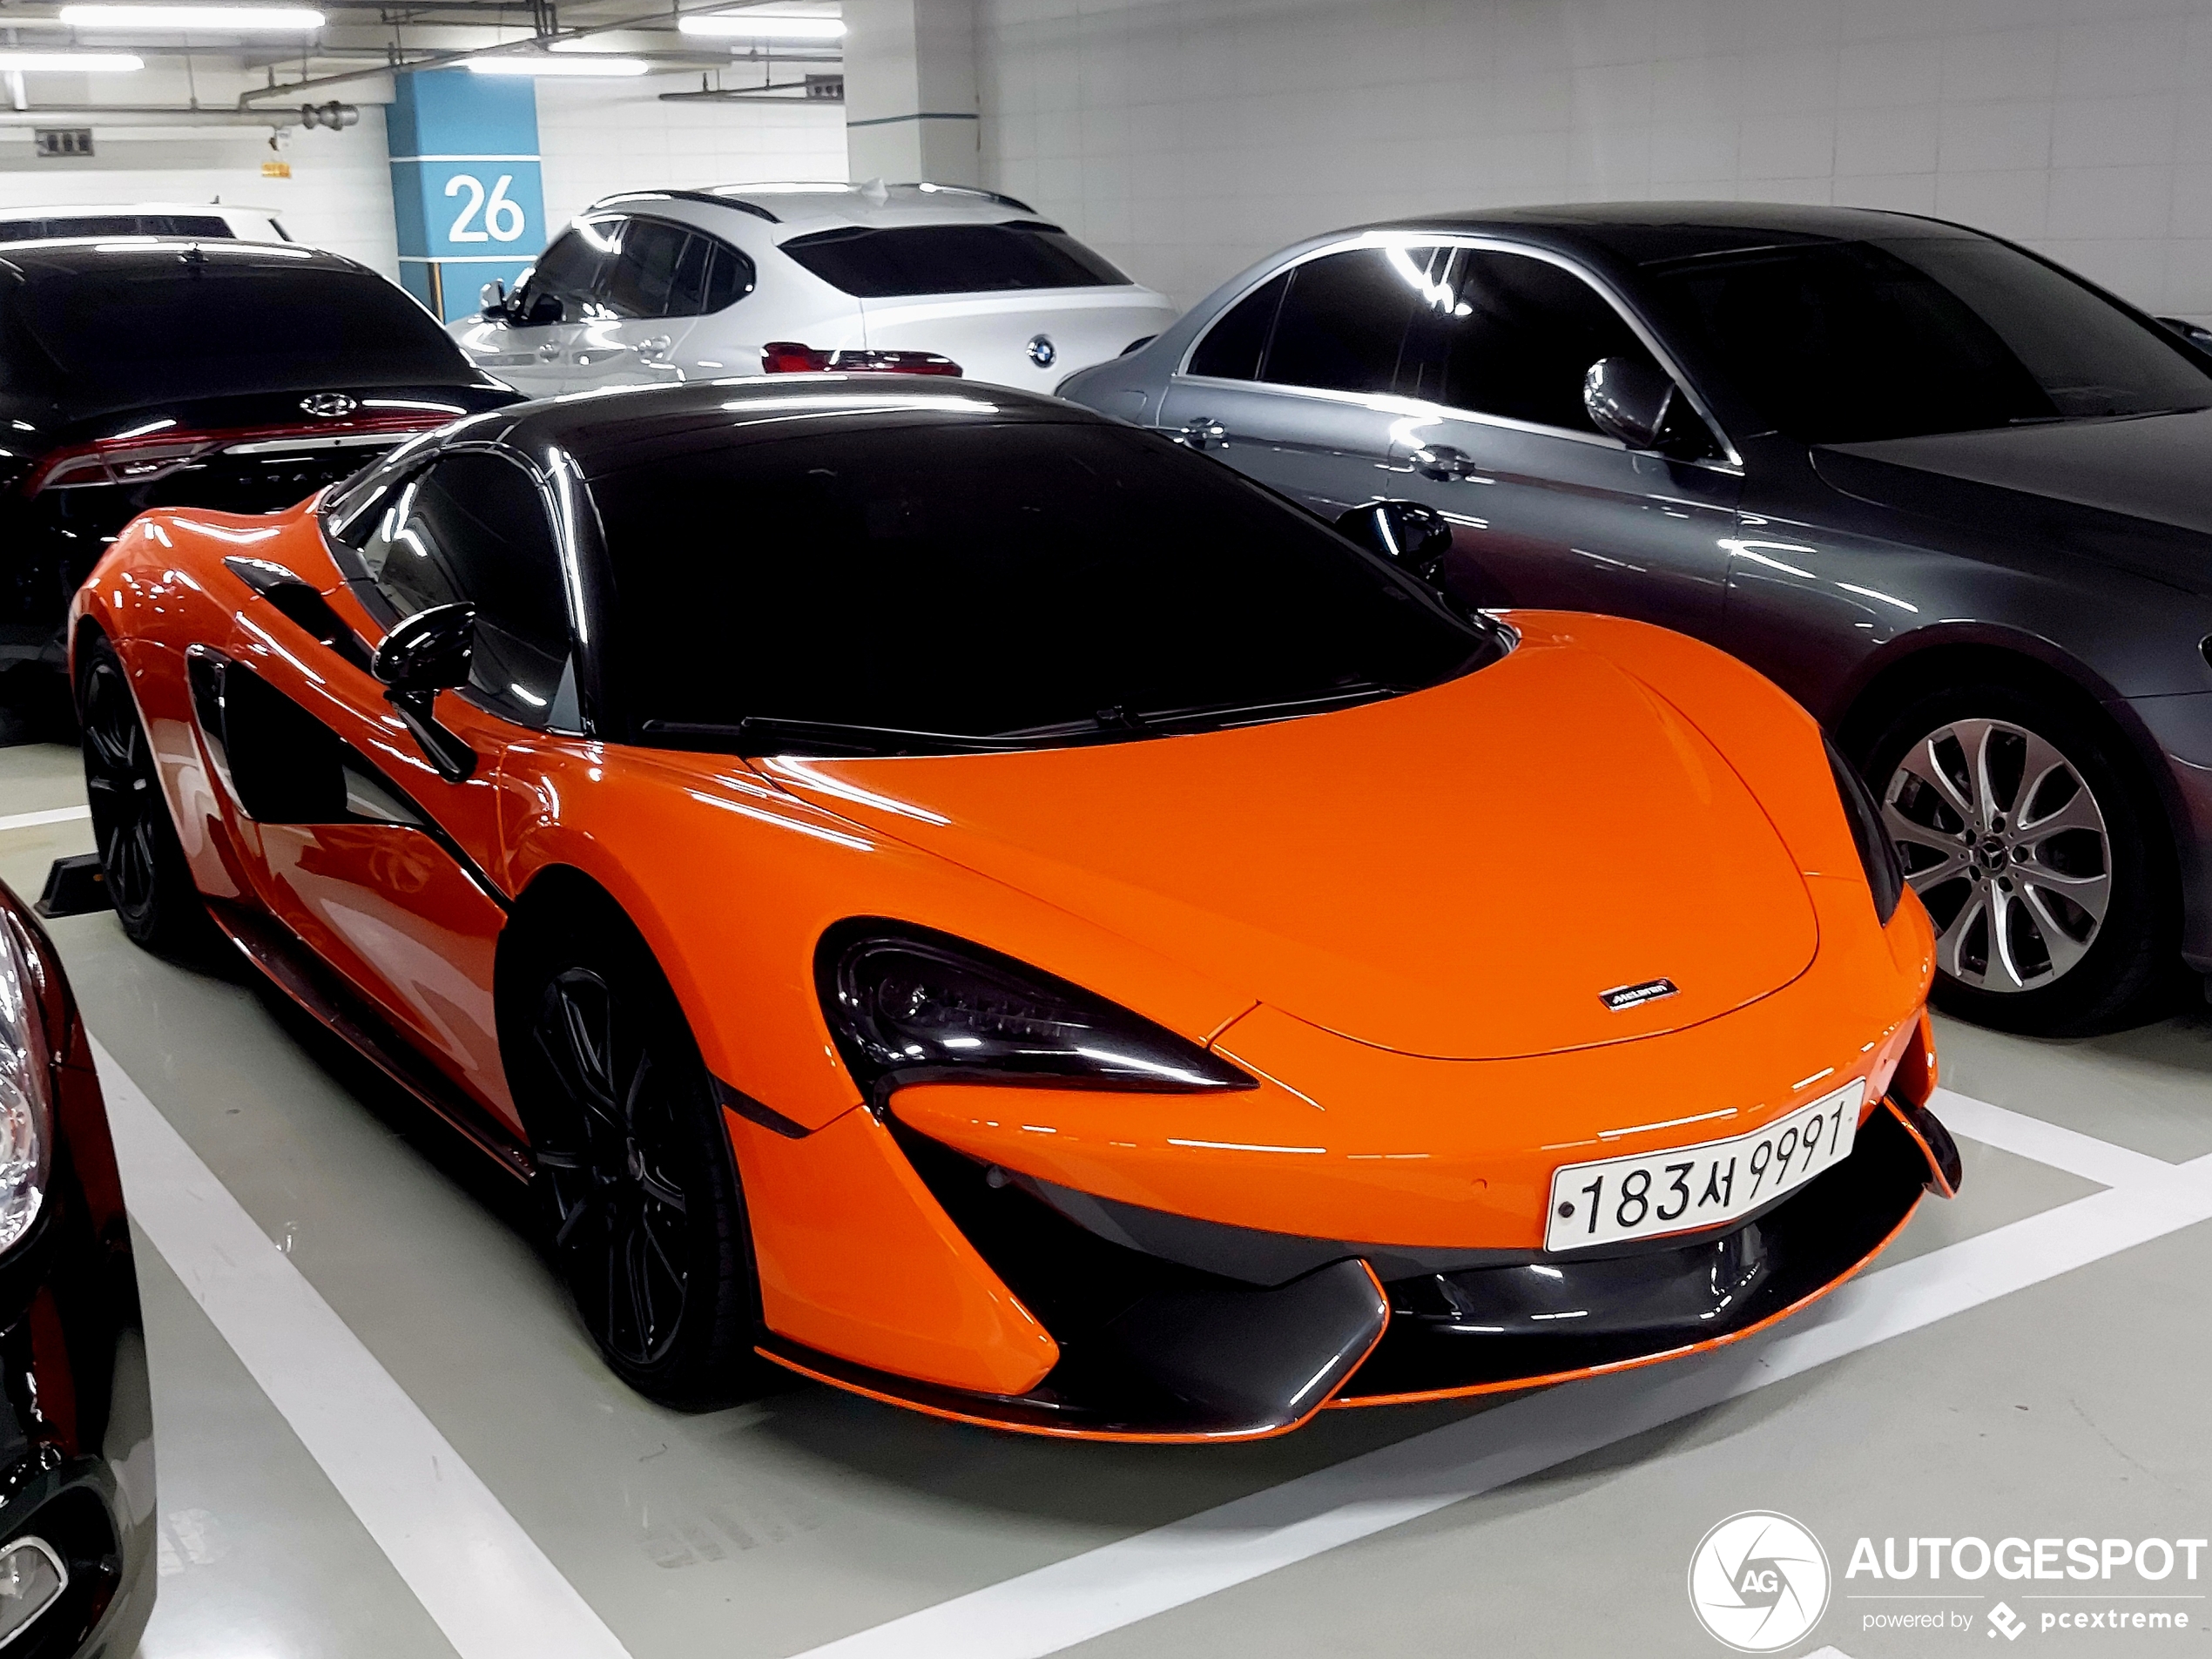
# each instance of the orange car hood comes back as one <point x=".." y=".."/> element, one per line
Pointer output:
<point x="1459" y="873"/>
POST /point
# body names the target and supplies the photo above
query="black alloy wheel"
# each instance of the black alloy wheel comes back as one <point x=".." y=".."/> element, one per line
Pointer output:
<point x="148" y="881"/>
<point x="2039" y="854"/>
<point x="635" y="1171"/>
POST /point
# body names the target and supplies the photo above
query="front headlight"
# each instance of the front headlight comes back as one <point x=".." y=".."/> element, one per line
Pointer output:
<point x="910" y="1005"/>
<point x="26" y="1085"/>
<point x="1876" y="851"/>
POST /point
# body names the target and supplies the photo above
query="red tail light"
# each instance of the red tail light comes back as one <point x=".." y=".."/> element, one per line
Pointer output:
<point x="789" y="357"/>
<point x="142" y="456"/>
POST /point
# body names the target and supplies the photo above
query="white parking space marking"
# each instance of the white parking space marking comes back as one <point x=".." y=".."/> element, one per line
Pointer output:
<point x="475" y="1571"/>
<point x="51" y="815"/>
<point x="2031" y="1138"/>
<point x="1108" y="1589"/>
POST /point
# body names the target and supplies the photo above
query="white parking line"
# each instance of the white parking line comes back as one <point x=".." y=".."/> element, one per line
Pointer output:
<point x="2032" y="1137"/>
<point x="51" y="815"/>
<point x="475" y="1571"/>
<point x="1108" y="1589"/>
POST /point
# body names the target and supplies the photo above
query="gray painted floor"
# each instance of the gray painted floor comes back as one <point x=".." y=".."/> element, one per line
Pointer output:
<point x="2073" y="1407"/>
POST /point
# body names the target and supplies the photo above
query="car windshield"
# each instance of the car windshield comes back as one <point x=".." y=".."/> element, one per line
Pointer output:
<point x="143" y="331"/>
<point x="1841" y="342"/>
<point x="925" y="587"/>
<point x="875" y="263"/>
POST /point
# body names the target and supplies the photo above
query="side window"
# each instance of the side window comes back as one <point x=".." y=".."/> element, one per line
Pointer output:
<point x="565" y="272"/>
<point x="1517" y="340"/>
<point x="1233" y="345"/>
<point x="730" y="277"/>
<point x="473" y="527"/>
<point x="642" y="277"/>
<point x="1344" y="320"/>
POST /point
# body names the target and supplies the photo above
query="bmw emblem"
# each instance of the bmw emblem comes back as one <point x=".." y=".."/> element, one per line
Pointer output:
<point x="329" y="405"/>
<point x="1042" y="351"/>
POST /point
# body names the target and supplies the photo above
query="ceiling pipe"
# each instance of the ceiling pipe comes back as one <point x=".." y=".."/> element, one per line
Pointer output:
<point x="145" y="115"/>
<point x="448" y="60"/>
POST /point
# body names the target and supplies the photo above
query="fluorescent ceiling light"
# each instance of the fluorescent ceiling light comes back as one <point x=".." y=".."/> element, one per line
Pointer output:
<point x="574" y="63"/>
<point x="84" y="62"/>
<point x="758" y="26"/>
<point x="221" y="20"/>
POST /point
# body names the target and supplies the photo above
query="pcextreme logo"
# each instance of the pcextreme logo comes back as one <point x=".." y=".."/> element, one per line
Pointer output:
<point x="1758" y="1582"/>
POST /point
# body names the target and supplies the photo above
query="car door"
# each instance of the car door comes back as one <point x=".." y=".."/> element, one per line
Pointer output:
<point x="398" y="891"/>
<point x="530" y="341"/>
<point x="1296" y="384"/>
<point x="1547" y="511"/>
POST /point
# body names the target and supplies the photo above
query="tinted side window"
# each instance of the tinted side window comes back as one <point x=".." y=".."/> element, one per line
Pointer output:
<point x="1344" y="320"/>
<point x="1232" y="347"/>
<point x="567" y="270"/>
<point x="641" y="280"/>
<point x="1517" y="340"/>
<point x="473" y="528"/>
<point x="730" y="277"/>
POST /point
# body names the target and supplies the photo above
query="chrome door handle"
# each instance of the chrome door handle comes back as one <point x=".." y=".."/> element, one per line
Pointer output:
<point x="653" y="350"/>
<point x="1204" y="432"/>
<point x="549" y="351"/>
<point x="1443" y="462"/>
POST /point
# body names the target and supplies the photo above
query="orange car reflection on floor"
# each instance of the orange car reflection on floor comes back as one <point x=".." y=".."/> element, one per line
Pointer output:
<point x="978" y="906"/>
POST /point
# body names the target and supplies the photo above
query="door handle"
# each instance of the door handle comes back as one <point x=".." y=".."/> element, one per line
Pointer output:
<point x="1204" y="432"/>
<point x="654" y="350"/>
<point x="1443" y="462"/>
<point x="549" y="351"/>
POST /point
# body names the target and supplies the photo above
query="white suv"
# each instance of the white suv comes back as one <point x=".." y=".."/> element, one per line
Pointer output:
<point x="659" y="286"/>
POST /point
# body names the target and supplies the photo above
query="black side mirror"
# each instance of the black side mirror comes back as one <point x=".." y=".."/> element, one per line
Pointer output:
<point x="491" y="300"/>
<point x="1629" y="401"/>
<point x="1405" y="532"/>
<point x="424" y="654"/>
<point x="546" y="308"/>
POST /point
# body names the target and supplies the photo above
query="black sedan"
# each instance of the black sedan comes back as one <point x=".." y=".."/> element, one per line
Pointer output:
<point x="150" y="372"/>
<point x="77" y="1502"/>
<point x="1948" y="494"/>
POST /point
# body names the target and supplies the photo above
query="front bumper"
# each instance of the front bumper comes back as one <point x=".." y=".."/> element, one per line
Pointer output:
<point x="1207" y="1343"/>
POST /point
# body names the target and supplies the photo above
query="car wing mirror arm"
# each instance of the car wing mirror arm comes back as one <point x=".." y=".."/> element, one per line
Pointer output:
<point x="424" y="654"/>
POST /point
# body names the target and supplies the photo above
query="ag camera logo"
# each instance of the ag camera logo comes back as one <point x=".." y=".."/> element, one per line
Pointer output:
<point x="1758" y="1582"/>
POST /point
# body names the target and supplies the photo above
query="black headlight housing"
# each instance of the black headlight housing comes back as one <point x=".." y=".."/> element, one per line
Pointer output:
<point x="909" y="1004"/>
<point x="1876" y="851"/>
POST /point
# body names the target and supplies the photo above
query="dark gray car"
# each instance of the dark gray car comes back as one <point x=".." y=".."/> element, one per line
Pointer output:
<point x="1955" y="499"/>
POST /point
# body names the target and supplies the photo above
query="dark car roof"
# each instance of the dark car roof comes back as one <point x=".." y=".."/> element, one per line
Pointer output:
<point x="1647" y="233"/>
<point x="614" y="428"/>
<point x="79" y="256"/>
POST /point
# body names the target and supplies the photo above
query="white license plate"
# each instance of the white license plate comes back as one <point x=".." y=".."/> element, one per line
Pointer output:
<point x="1699" y="1186"/>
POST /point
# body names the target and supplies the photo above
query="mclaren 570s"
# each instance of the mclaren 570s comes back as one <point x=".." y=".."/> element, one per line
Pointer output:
<point x="982" y="906"/>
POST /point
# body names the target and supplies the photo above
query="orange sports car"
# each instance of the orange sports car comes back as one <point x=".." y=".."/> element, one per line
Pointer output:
<point x="979" y="906"/>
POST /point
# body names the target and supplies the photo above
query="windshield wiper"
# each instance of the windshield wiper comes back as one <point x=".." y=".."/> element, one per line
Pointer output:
<point x="760" y="734"/>
<point x="1119" y="722"/>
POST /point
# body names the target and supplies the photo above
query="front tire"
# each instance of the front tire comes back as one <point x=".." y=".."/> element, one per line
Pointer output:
<point x="149" y="881"/>
<point x="635" y="1176"/>
<point x="2024" y="828"/>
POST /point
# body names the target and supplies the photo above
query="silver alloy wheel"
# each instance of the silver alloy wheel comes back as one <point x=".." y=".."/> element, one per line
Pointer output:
<point x="2006" y="844"/>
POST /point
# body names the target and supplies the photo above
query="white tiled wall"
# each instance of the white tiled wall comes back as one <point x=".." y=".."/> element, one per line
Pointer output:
<point x="600" y="136"/>
<point x="1187" y="137"/>
<point x="338" y="195"/>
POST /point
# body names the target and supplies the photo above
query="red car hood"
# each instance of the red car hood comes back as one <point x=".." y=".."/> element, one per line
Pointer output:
<point x="1460" y="873"/>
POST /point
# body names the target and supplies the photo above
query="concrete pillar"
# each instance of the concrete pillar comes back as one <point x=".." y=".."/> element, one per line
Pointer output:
<point x="466" y="200"/>
<point x="910" y="107"/>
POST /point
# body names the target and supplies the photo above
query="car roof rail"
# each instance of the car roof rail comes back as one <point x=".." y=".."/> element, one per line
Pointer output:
<point x="754" y="208"/>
